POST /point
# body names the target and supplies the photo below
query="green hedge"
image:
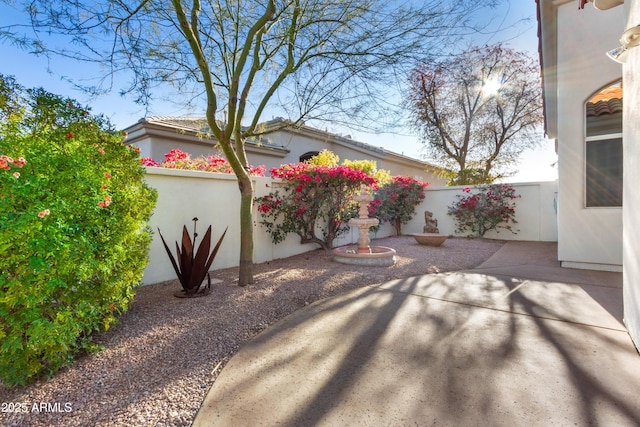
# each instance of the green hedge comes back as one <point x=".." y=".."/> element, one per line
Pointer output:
<point x="74" y="235"/>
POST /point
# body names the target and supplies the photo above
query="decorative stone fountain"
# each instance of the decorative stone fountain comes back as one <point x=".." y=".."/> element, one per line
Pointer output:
<point x="363" y="254"/>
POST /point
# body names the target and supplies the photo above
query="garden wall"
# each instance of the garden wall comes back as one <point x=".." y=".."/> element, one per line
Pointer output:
<point x="535" y="212"/>
<point x="215" y="200"/>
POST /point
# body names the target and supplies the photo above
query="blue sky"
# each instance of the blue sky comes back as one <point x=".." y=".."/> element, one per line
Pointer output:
<point x="514" y="22"/>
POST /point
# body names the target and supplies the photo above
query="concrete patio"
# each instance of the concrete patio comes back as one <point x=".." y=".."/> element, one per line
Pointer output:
<point x="517" y="341"/>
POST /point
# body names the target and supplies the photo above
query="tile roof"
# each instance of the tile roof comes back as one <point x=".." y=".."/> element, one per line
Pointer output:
<point x="607" y="101"/>
<point x="200" y="125"/>
<point x="610" y="106"/>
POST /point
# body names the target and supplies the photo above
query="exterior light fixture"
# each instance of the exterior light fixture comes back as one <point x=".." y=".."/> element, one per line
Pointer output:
<point x="606" y="4"/>
<point x="630" y="39"/>
<point x="601" y="4"/>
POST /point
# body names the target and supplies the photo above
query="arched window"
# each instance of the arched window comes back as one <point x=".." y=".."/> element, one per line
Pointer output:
<point x="308" y="155"/>
<point x="603" y="142"/>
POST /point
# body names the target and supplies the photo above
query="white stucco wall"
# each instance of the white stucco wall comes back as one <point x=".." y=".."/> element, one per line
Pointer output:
<point x="631" y="195"/>
<point x="587" y="237"/>
<point x="215" y="200"/>
<point x="535" y="212"/>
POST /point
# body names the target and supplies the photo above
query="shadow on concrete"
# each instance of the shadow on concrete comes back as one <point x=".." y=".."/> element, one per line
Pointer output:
<point x="467" y="348"/>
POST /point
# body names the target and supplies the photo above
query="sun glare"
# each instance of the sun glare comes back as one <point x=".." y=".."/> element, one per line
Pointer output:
<point x="490" y="88"/>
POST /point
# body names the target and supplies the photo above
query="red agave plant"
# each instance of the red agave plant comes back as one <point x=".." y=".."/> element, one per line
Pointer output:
<point x="192" y="266"/>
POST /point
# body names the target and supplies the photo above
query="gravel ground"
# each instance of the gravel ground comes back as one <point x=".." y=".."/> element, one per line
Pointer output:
<point x="165" y="353"/>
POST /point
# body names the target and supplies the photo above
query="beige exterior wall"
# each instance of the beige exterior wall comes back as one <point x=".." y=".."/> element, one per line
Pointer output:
<point x="631" y="208"/>
<point x="299" y="142"/>
<point x="587" y="237"/>
<point x="155" y="140"/>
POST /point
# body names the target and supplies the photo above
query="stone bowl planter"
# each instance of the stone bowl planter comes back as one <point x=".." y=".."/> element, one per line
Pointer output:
<point x="430" y="239"/>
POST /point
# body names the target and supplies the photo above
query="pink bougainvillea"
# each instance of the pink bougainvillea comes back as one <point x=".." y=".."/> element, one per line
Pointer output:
<point x="490" y="207"/>
<point x="148" y="161"/>
<point x="395" y="201"/>
<point x="178" y="159"/>
<point x="315" y="202"/>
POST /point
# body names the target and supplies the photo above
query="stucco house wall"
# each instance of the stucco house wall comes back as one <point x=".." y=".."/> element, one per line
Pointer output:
<point x="581" y="38"/>
<point x="156" y="136"/>
<point x="587" y="237"/>
<point x="307" y="139"/>
<point x="631" y="195"/>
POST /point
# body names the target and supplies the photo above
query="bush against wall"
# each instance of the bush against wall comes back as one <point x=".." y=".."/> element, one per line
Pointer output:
<point x="488" y="208"/>
<point x="178" y="159"/>
<point x="74" y="237"/>
<point x="395" y="202"/>
<point x="314" y="201"/>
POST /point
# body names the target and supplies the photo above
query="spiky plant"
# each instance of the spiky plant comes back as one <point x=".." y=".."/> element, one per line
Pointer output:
<point x="192" y="266"/>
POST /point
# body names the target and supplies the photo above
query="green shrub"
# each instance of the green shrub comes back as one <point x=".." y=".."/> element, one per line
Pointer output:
<point x="74" y="238"/>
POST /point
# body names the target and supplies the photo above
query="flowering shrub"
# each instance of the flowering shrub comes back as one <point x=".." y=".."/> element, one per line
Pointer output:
<point x="178" y="159"/>
<point x="325" y="158"/>
<point x="490" y="207"/>
<point x="313" y="198"/>
<point x="73" y="230"/>
<point x="396" y="201"/>
<point x="370" y="167"/>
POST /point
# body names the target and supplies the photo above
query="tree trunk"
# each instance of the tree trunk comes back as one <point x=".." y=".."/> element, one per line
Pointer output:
<point x="398" y="226"/>
<point x="245" y="276"/>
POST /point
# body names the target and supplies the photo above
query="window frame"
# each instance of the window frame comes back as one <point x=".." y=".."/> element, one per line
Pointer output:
<point x="599" y="137"/>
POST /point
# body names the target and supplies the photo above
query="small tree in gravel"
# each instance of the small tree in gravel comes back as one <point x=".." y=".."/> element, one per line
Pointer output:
<point x="315" y="202"/>
<point x="395" y="202"/>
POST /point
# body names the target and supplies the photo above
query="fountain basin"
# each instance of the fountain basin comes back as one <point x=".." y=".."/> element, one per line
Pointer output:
<point x="379" y="256"/>
<point x="430" y="239"/>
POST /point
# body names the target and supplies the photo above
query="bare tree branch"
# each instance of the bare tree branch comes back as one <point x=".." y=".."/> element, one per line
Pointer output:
<point x="471" y="130"/>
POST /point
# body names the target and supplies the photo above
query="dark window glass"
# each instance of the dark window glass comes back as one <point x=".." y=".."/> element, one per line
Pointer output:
<point x="604" y="173"/>
<point x="604" y="148"/>
<point x="308" y="155"/>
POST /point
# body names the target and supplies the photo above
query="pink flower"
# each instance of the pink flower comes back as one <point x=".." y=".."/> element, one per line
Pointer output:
<point x="148" y="161"/>
<point x="105" y="203"/>
<point x="16" y="175"/>
<point x="176" y="154"/>
<point x="101" y="151"/>
<point x="43" y="213"/>
<point x="107" y="175"/>
<point x="466" y="190"/>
